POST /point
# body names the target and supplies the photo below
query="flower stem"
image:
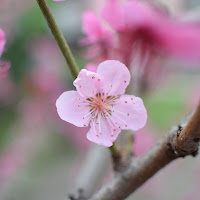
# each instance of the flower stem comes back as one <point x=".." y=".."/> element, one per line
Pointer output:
<point x="114" y="150"/>
<point x="64" y="47"/>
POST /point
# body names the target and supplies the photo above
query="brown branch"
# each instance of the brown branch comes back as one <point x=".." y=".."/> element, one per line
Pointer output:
<point x="187" y="141"/>
<point x="182" y="137"/>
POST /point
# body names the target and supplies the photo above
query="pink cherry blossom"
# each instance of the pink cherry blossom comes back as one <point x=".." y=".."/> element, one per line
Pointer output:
<point x="100" y="102"/>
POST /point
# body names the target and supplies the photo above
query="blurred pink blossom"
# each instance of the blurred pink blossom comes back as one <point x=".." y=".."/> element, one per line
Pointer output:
<point x="142" y="37"/>
<point x="139" y="22"/>
<point x="100" y="103"/>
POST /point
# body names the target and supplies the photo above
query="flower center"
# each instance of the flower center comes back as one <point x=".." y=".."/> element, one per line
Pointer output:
<point x="100" y="103"/>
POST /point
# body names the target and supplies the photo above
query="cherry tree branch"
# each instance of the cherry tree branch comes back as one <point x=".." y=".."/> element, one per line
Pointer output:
<point x="182" y="140"/>
<point x="59" y="37"/>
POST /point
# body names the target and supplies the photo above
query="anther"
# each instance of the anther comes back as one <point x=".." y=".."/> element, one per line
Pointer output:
<point x="99" y="79"/>
<point x="79" y="86"/>
<point x="93" y="77"/>
<point x="78" y="105"/>
<point x="124" y="81"/>
<point x="125" y="101"/>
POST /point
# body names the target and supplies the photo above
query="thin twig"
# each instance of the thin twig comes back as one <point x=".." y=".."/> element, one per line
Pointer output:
<point x="64" y="47"/>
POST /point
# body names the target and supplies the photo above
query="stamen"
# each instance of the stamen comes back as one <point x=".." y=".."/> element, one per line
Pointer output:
<point x="90" y="113"/>
<point x="95" y="129"/>
<point x="121" y="120"/>
<point x="99" y="117"/>
<point x="123" y="113"/>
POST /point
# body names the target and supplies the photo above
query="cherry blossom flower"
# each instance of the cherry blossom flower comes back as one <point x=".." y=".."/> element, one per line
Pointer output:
<point x="100" y="102"/>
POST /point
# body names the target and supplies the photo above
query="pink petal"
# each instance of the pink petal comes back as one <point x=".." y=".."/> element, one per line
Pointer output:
<point x="91" y="67"/>
<point x="107" y="136"/>
<point x="70" y="109"/>
<point x="115" y="77"/>
<point x="92" y="27"/>
<point x="130" y="113"/>
<point x="128" y="16"/>
<point x="2" y="41"/>
<point x="137" y="14"/>
<point x="181" y="40"/>
<point x="87" y="83"/>
<point x="112" y="14"/>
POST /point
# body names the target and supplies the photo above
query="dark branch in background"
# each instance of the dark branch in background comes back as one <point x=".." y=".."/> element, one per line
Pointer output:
<point x="181" y="141"/>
